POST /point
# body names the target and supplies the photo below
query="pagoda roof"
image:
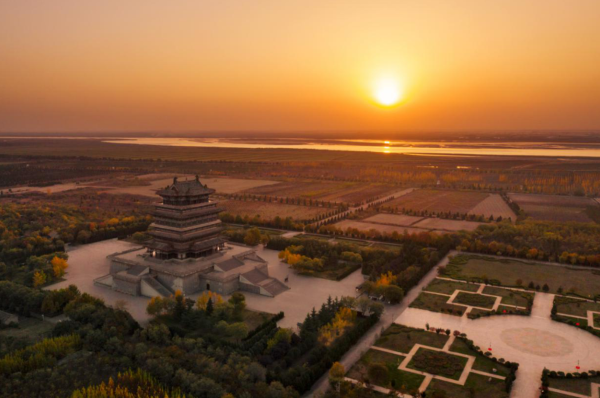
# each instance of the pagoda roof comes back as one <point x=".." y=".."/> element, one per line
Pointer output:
<point x="185" y="188"/>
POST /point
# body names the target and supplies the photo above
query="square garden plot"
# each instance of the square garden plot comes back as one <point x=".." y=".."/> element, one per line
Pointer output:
<point x="476" y="386"/>
<point x="388" y="376"/>
<point x="448" y="287"/>
<point x="403" y="338"/>
<point x="475" y="300"/>
<point x="436" y="303"/>
<point x="438" y="363"/>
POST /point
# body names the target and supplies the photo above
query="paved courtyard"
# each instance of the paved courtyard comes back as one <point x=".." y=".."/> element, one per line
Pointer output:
<point x="88" y="262"/>
<point x="535" y="342"/>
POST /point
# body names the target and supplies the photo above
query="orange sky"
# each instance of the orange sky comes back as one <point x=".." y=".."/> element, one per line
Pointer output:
<point x="208" y="65"/>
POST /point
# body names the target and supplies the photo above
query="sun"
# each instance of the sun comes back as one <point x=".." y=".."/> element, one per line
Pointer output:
<point x="387" y="91"/>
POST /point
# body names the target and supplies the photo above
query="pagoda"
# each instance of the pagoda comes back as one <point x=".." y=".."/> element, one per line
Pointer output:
<point x="186" y="223"/>
<point x="187" y="252"/>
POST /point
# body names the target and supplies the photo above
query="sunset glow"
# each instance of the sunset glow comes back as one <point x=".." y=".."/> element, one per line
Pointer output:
<point x="69" y="65"/>
<point x="388" y="92"/>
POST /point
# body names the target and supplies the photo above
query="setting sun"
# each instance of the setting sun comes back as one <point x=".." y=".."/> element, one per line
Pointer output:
<point x="387" y="92"/>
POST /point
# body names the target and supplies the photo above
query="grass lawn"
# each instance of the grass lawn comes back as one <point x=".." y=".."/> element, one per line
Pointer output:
<point x="353" y="242"/>
<point x="254" y="319"/>
<point x="573" y="321"/>
<point x="315" y="237"/>
<point x="510" y="297"/>
<point x="383" y="246"/>
<point x="476" y="386"/>
<point x="336" y="273"/>
<point x="475" y="300"/>
<point x="482" y="362"/>
<point x="402" y="338"/>
<point x="578" y="386"/>
<point x="436" y="303"/>
<point x="438" y="363"/>
<point x="30" y="328"/>
<point x="448" y="287"/>
<point x="397" y="378"/>
<point x="508" y="271"/>
<point x="573" y="306"/>
<point x="477" y="311"/>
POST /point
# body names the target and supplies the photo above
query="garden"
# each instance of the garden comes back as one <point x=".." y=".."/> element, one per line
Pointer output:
<point x="438" y="363"/>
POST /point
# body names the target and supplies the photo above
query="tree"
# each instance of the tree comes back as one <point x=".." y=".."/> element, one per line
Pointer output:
<point x="155" y="306"/>
<point x="39" y="278"/>
<point x="378" y="373"/>
<point x="545" y="288"/>
<point x="59" y="265"/>
<point x="336" y="373"/>
<point x="238" y="300"/>
<point x="209" y="307"/>
<point x="392" y="293"/>
<point x="252" y="237"/>
<point x="237" y="331"/>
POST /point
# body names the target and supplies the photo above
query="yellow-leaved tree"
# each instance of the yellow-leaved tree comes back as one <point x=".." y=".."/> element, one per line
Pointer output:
<point x="39" y="278"/>
<point x="59" y="265"/>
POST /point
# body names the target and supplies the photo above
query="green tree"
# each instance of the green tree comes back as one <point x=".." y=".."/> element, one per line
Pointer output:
<point x="253" y="237"/>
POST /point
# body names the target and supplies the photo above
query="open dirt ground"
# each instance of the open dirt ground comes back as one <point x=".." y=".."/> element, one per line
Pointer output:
<point x="269" y="211"/>
<point x="554" y="207"/>
<point x="393" y="219"/>
<point x="494" y="206"/>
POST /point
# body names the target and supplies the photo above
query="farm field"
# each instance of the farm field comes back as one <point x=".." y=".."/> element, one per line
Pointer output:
<point x="365" y="226"/>
<point x="147" y="185"/>
<point x="268" y="211"/>
<point x="507" y="271"/>
<point x="494" y="206"/>
<point x="447" y="225"/>
<point x="434" y="200"/>
<point x="393" y="219"/>
<point x="345" y="192"/>
<point x="221" y="185"/>
<point x="554" y="207"/>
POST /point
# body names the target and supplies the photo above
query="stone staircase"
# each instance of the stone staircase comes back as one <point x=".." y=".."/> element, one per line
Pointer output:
<point x="156" y="285"/>
<point x="274" y="286"/>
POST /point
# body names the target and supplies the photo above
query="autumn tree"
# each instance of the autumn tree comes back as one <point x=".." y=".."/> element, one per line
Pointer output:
<point x="59" y="265"/>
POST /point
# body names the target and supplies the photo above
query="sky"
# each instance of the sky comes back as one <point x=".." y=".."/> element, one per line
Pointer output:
<point x="240" y="65"/>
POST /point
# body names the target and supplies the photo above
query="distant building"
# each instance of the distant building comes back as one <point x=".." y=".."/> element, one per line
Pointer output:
<point x="7" y="319"/>
<point x="188" y="253"/>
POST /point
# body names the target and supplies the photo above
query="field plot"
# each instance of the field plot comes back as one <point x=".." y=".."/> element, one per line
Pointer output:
<point x="439" y="200"/>
<point x="393" y="219"/>
<point x="447" y="225"/>
<point x="346" y="192"/>
<point x="366" y="226"/>
<point x="554" y="207"/>
<point x="494" y="206"/>
<point x="269" y="211"/>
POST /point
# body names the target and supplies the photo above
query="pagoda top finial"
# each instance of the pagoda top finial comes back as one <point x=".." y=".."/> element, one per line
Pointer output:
<point x="174" y="180"/>
<point x="197" y="178"/>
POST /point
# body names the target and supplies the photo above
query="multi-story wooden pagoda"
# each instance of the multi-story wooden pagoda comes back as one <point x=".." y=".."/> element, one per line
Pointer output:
<point x="187" y="252"/>
<point x="186" y="223"/>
